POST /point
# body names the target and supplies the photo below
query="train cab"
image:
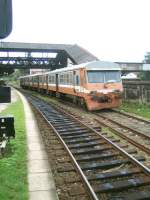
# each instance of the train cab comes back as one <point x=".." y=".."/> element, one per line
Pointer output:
<point x="103" y="85"/>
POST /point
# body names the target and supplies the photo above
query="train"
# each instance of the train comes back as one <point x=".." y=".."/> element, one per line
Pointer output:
<point x="96" y="85"/>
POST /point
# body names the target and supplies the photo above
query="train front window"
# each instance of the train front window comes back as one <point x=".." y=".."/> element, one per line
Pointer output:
<point x="103" y="76"/>
<point x="95" y="76"/>
<point x="113" y="76"/>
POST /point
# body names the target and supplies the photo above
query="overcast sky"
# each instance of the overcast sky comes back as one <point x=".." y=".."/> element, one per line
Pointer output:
<point x="113" y="30"/>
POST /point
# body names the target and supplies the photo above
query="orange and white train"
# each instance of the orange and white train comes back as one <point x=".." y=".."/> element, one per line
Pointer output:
<point x="95" y="84"/>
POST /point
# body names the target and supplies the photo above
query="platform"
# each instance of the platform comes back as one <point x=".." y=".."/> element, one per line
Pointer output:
<point x="40" y="178"/>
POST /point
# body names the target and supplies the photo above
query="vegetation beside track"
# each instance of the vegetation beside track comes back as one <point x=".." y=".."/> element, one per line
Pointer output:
<point x="13" y="165"/>
<point x="136" y="108"/>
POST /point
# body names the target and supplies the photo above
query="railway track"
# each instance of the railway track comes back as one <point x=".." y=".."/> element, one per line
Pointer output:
<point x="122" y="130"/>
<point x="138" y="142"/>
<point x="107" y="171"/>
<point x="134" y="130"/>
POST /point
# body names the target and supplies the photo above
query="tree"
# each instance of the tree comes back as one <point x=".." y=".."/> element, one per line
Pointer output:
<point x="146" y="75"/>
<point x="147" y="58"/>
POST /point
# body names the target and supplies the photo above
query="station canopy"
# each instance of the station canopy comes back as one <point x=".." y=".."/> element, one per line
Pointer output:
<point x="39" y="55"/>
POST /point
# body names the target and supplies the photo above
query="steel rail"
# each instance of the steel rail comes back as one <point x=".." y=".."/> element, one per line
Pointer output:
<point x="142" y="147"/>
<point x="126" y="127"/>
<point x="132" y="116"/>
<point x="133" y="160"/>
<point x="123" y="152"/>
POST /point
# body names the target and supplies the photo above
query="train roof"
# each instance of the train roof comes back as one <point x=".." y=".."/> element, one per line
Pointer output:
<point x="31" y="75"/>
<point x="94" y="65"/>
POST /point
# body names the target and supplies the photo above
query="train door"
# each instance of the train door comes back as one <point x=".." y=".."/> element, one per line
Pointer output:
<point x="38" y="82"/>
<point x="76" y="81"/>
<point x="56" y="82"/>
<point x="46" y="82"/>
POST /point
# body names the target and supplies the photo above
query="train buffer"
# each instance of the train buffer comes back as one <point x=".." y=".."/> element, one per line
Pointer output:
<point x="7" y="130"/>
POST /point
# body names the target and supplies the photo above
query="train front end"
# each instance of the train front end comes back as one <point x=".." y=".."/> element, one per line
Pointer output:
<point x="104" y="86"/>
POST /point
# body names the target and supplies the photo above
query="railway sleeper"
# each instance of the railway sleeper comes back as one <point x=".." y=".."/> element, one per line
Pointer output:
<point x="58" y="117"/>
<point x="70" y="124"/>
<point x="91" y="150"/>
<point x="83" y="145"/>
<point x="121" y="185"/>
<point x="83" y="140"/>
<point x="54" y="121"/>
<point x="138" y="195"/>
<point x="70" y="133"/>
<point x="60" y="120"/>
<point x="83" y="158"/>
<point x="95" y="150"/>
<point x="95" y="157"/>
<point x="114" y="174"/>
<point x="82" y="135"/>
<point x="70" y="129"/>
<point x="107" y="164"/>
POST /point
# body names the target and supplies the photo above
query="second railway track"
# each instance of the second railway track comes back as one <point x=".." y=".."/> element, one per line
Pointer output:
<point x="107" y="171"/>
<point x="132" y="129"/>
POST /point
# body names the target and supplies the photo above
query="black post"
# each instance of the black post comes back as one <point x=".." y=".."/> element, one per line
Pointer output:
<point x="5" y="18"/>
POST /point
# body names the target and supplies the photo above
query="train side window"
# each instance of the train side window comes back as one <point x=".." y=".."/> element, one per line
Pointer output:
<point x="71" y="79"/>
<point x="77" y="79"/>
<point x="44" y="79"/>
<point x="52" y="79"/>
<point x="40" y="79"/>
<point x="33" y="80"/>
<point x="61" y="79"/>
<point x="67" y="79"/>
<point x="36" y="79"/>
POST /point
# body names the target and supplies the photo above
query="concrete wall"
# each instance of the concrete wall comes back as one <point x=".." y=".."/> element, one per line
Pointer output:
<point x="136" y="91"/>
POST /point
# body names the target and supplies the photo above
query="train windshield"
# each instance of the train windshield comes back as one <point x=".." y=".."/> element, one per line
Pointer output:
<point x="103" y="76"/>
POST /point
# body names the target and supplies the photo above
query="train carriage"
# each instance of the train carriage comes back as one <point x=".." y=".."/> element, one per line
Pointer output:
<point x="96" y="84"/>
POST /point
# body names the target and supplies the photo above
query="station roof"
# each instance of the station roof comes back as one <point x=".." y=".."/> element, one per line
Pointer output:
<point x="77" y="54"/>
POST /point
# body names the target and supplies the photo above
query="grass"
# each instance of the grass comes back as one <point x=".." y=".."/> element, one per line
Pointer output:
<point x="136" y="108"/>
<point x="13" y="166"/>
